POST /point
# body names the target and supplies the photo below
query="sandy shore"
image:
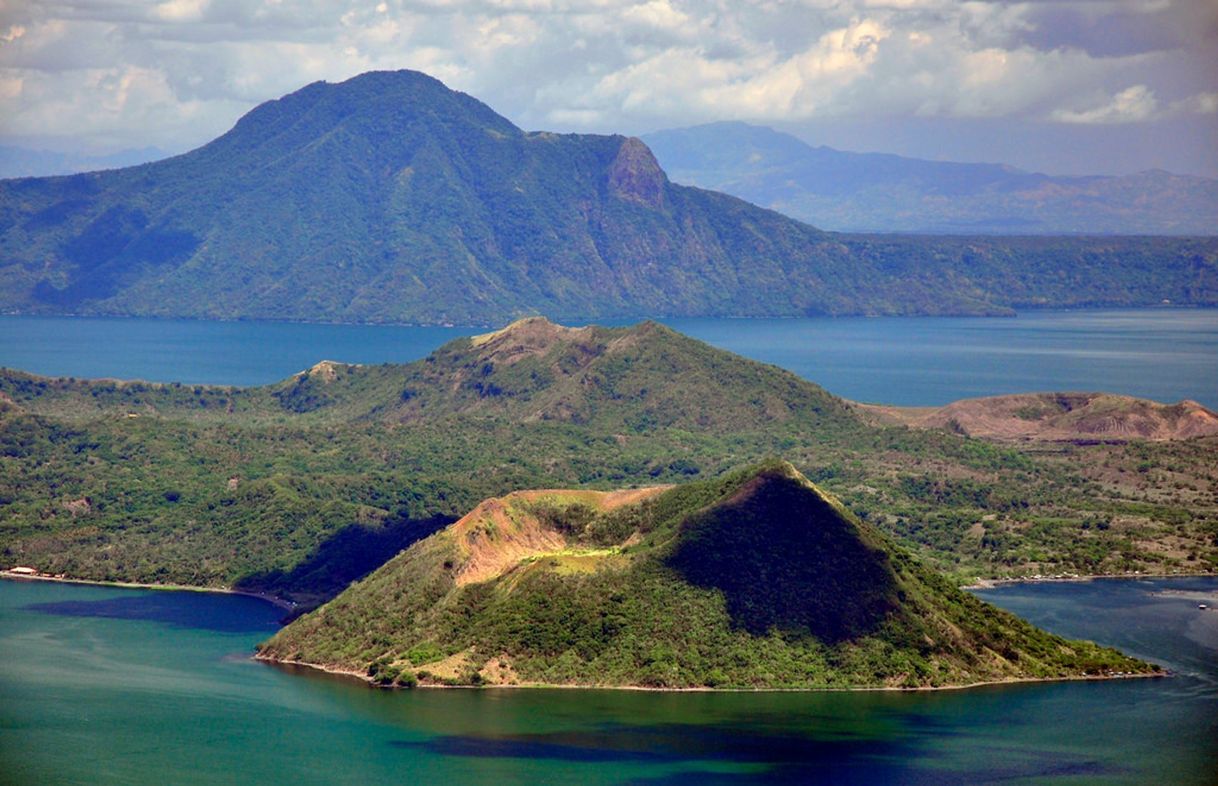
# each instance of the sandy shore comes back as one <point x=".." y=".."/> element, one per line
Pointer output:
<point x="286" y="605"/>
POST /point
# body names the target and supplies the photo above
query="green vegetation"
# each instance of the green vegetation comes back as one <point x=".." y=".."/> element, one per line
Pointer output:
<point x="217" y="486"/>
<point x="389" y="198"/>
<point x="753" y="580"/>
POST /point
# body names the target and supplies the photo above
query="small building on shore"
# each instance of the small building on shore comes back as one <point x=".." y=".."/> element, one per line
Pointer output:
<point x="22" y="570"/>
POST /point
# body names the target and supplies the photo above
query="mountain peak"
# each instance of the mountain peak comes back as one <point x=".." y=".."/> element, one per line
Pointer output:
<point x="391" y="198"/>
<point x="787" y="556"/>
<point x="387" y="109"/>
<point x="535" y="333"/>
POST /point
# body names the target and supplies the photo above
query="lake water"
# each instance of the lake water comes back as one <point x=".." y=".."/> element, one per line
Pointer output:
<point x="1163" y="354"/>
<point x="110" y="686"/>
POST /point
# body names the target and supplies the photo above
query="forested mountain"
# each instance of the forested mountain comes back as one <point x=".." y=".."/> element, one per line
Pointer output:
<point x="391" y="198"/>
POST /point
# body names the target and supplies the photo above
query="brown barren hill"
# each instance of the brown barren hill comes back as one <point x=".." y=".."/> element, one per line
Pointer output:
<point x="1057" y="417"/>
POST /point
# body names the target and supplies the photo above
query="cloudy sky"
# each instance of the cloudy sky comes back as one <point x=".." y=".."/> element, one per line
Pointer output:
<point x="1104" y="86"/>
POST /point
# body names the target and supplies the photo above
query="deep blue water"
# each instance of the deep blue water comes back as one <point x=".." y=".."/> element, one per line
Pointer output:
<point x="1163" y="354"/>
<point x="109" y="686"/>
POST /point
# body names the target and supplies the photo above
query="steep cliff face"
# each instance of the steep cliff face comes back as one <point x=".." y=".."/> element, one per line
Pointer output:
<point x="635" y="175"/>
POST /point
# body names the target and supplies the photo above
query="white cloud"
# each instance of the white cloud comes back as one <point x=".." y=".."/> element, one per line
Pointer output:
<point x="180" y="10"/>
<point x="1131" y="105"/>
<point x="1199" y="104"/>
<point x="177" y="72"/>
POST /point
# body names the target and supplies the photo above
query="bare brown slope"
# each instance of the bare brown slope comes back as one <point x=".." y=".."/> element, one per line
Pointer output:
<point x="500" y="532"/>
<point x="1057" y="417"/>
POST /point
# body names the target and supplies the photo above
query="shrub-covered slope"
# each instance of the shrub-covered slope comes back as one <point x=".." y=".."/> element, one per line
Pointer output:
<point x="391" y="198"/>
<point x="298" y="487"/>
<point x="757" y="579"/>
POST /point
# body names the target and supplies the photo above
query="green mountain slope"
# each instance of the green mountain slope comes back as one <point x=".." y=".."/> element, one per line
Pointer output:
<point x="389" y="197"/>
<point x="879" y="192"/>
<point x="630" y="379"/>
<point x="298" y="487"/>
<point x="301" y="486"/>
<point x="755" y="580"/>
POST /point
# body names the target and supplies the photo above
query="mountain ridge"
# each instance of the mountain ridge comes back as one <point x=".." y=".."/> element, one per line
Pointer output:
<point x="390" y="198"/>
<point x="884" y="192"/>
<point x="1057" y="417"/>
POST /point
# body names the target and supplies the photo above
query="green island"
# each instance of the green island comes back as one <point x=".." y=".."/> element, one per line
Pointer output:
<point x="753" y="580"/>
<point x="296" y="489"/>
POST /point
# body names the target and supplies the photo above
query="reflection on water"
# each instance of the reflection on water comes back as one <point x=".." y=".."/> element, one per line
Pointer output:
<point x="201" y="610"/>
<point x="99" y="685"/>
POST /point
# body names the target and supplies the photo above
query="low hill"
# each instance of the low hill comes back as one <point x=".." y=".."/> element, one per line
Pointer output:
<point x="754" y="580"/>
<point x="390" y="198"/>
<point x="623" y="380"/>
<point x="1058" y="417"/>
<point x="878" y="192"/>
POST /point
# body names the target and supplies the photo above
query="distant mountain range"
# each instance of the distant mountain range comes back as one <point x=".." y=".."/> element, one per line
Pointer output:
<point x="23" y="162"/>
<point x="877" y="192"/>
<point x="390" y="198"/>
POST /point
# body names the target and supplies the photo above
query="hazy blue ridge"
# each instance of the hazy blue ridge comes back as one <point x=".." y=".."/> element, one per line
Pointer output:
<point x="18" y="161"/>
<point x="880" y="192"/>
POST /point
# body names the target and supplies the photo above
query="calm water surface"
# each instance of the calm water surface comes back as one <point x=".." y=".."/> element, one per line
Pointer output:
<point x="108" y="686"/>
<point x="1164" y="354"/>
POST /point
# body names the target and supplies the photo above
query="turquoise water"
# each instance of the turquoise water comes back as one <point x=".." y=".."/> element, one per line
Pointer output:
<point x="109" y="686"/>
<point x="1163" y="354"/>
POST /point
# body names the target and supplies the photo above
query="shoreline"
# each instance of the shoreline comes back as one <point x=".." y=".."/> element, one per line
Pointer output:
<point x="981" y="583"/>
<point x="286" y="605"/>
<point x="336" y="671"/>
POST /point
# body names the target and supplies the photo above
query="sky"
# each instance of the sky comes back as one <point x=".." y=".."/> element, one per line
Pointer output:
<point x="1085" y="86"/>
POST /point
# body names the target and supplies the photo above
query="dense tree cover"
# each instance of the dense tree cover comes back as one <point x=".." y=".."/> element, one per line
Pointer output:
<point x="752" y="580"/>
<point x="390" y="198"/>
<point x="245" y="487"/>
